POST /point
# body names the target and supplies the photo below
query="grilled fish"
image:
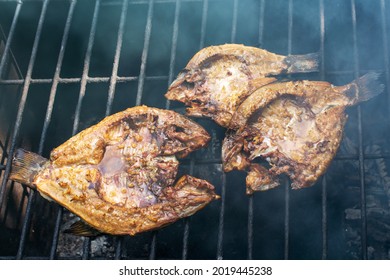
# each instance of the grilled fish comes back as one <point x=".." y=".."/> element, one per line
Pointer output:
<point x="218" y="78"/>
<point x="119" y="175"/>
<point x="296" y="126"/>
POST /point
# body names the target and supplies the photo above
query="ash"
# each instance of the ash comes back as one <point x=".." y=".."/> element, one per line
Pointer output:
<point x="72" y="247"/>
<point x="377" y="188"/>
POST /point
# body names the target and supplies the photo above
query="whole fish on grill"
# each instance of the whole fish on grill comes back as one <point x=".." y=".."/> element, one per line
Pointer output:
<point x="119" y="175"/>
<point x="218" y="78"/>
<point x="296" y="127"/>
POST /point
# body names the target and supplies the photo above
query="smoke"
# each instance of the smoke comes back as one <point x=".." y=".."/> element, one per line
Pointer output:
<point x="199" y="24"/>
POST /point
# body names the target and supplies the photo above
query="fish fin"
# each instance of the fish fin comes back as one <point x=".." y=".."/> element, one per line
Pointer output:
<point x="80" y="228"/>
<point x="260" y="178"/>
<point x="25" y="166"/>
<point x="303" y="63"/>
<point x="368" y="86"/>
<point x="259" y="82"/>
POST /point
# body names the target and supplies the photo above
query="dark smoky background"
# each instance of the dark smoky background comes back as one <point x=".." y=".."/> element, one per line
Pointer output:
<point x="349" y="46"/>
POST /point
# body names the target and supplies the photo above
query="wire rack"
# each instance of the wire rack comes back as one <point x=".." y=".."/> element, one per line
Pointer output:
<point x="128" y="52"/>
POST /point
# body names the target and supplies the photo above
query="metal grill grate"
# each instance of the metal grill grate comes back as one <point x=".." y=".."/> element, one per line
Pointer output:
<point x="237" y="226"/>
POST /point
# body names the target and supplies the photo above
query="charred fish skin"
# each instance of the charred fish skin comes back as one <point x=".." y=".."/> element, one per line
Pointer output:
<point x="296" y="126"/>
<point x="218" y="78"/>
<point x="119" y="175"/>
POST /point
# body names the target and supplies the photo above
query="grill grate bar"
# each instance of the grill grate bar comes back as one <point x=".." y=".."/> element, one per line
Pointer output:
<point x="234" y="22"/>
<point x="323" y="182"/>
<point x="250" y="202"/>
<point x="148" y="31"/>
<point x="153" y="243"/>
<point x="120" y="79"/>
<point x="118" y="248"/>
<point x="56" y="233"/>
<point x="360" y="139"/>
<point x="91" y="39"/>
<point x="250" y="228"/>
<point x="324" y="192"/>
<point x="205" y="9"/>
<point x="114" y="79"/>
<point x="287" y="183"/>
<point x="338" y="158"/>
<point x="141" y="81"/>
<point x="111" y="90"/>
<point x="221" y="218"/>
<point x="86" y="248"/>
<point x="223" y="183"/>
<point x="53" y="89"/>
<point x="9" y="40"/>
<point x="114" y="75"/>
<point x="172" y="61"/>
<point x="87" y="240"/>
<point x="87" y="60"/>
<point x="174" y="47"/>
<point x="186" y="231"/>
<point x="78" y="80"/>
<point x="385" y="49"/>
<point x="49" y="114"/>
<point x="26" y="222"/>
<point x="2" y="66"/>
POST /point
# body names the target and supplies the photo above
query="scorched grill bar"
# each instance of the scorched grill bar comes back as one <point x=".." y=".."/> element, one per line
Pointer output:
<point x="129" y="52"/>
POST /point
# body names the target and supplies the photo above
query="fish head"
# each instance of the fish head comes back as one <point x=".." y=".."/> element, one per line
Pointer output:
<point x="182" y="88"/>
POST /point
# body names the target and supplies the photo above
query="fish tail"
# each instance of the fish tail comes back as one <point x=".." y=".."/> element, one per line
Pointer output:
<point x="365" y="88"/>
<point x="303" y="63"/>
<point x="25" y="166"/>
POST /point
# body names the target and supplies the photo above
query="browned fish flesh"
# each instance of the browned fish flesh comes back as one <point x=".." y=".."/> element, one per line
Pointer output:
<point x="119" y="175"/>
<point x="295" y="126"/>
<point x="218" y="78"/>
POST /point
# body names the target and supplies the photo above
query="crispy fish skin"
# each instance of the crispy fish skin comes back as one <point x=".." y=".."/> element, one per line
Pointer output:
<point x="218" y="78"/>
<point x="296" y="126"/>
<point x="186" y="197"/>
<point x="119" y="175"/>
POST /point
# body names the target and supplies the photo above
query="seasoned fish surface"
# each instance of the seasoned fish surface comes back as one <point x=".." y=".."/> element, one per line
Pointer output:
<point x="119" y="175"/>
<point x="296" y="126"/>
<point x="218" y="78"/>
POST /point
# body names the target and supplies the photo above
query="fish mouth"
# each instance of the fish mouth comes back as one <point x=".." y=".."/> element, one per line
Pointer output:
<point x="177" y="89"/>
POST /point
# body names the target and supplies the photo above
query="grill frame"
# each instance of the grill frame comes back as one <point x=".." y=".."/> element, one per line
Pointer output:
<point x="115" y="79"/>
